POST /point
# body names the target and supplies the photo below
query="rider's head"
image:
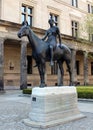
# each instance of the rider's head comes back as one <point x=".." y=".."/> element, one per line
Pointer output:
<point x="51" y="21"/>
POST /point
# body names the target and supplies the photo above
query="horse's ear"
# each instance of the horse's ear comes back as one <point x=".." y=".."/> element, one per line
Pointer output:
<point x="24" y="23"/>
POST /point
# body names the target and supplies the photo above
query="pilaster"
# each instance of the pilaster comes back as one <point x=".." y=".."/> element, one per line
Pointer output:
<point x="86" y="80"/>
<point x="1" y="64"/>
<point x="23" y="65"/>
<point x="73" y="65"/>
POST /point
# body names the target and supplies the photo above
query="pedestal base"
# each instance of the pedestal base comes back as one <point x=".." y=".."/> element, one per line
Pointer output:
<point x="52" y="106"/>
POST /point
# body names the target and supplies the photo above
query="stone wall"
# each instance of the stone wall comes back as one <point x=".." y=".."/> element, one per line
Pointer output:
<point x="65" y="11"/>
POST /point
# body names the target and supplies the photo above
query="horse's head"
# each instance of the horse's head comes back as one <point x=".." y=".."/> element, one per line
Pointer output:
<point x="24" y="31"/>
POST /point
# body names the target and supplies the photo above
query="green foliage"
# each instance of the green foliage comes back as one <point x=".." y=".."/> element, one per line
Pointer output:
<point x="27" y="91"/>
<point x="85" y="92"/>
<point x="89" y="23"/>
<point x="86" y="27"/>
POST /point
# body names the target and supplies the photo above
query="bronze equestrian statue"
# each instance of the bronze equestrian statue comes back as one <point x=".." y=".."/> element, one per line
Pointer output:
<point x="41" y="54"/>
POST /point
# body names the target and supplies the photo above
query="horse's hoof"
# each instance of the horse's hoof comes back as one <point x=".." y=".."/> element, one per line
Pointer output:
<point x="71" y="84"/>
<point x="42" y="85"/>
<point x="51" y="63"/>
<point x="59" y="85"/>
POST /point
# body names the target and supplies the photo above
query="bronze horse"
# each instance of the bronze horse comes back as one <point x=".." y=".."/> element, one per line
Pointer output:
<point x="41" y="54"/>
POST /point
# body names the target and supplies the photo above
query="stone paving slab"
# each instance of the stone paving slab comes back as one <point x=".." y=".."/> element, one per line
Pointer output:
<point x="14" y="108"/>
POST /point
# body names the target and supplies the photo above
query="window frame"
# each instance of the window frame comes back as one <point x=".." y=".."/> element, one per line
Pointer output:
<point x="75" y="3"/>
<point x="27" y="14"/>
<point x="91" y="37"/>
<point x="90" y="8"/>
<point x="74" y="28"/>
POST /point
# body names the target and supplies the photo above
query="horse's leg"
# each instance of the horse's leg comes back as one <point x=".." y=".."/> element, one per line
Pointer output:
<point x="41" y="68"/>
<point x="61" y="72"/>
<point x="70" y="72"/>
<point x="43" y="74"/>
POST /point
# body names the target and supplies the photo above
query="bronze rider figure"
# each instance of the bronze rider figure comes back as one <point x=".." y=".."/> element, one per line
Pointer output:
<point x="51" y="35"/>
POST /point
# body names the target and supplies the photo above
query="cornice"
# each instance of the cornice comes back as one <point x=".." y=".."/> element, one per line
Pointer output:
<point x="90" y="1"/>
<point x="9" y="24"/>
<point x="39" y="31"/>
<point x="32" y="1"/>
<point x="17" y="26"/>
<point x="53" y="8"/>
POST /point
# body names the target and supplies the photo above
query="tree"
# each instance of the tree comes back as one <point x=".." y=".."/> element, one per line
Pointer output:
<point x="86" y="28"/>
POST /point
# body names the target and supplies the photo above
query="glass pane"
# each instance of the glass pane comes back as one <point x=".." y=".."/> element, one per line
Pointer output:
<point x="30" y="20"/>
<point x="72" y="2"/>
<point x="72" y="23"/>
<point x="92" y="9"/>
<point x="29" y="10"/>
<point x="92" y="37"/>
<point x="88" y="8"/>
<point x="23" y="18"/>
<point x="75" y="24"/>
<point x="72" y="32"/>
<point x="76" y="33"/>
<point x="56" y="24"/>
<point x="76" y="3"/>
<point x="55" y="18"/>
<point x="51" y="16"/>
<point x="23" y="9"/>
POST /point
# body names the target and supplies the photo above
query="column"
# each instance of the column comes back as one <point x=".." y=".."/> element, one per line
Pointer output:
<point x="23" y="65"/>
<point x="73" y="65"/>
<point x="86" y="80"/>
<point x="1" y="64"/>
<point x="59" y="79"/>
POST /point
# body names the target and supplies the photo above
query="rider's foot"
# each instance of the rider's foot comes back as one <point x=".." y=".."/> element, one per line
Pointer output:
<point x="35" y="65"/>
<point x="51" y="63"/>
<point x="60" y="46"/>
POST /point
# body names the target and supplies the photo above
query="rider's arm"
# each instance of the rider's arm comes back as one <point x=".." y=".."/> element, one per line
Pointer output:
<point x="46" y="34"/>
<point x="59" y="35"/>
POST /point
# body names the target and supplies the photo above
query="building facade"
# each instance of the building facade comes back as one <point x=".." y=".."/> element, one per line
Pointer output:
<point x="16" y="63"/>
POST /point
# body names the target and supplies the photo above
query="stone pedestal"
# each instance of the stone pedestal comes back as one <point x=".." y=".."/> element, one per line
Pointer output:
<point x="52" y="106"/>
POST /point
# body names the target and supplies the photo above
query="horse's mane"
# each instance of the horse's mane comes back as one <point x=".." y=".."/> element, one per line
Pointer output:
<point x="39" y="40"/>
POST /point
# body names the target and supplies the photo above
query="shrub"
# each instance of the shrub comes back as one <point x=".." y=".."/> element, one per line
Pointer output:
<point x="85" y="92"/>
<point x="27" y="91"/>
<point x="82" y="91"/>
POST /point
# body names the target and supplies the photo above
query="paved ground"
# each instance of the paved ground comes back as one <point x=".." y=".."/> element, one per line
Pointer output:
<point x="14" y="107"/>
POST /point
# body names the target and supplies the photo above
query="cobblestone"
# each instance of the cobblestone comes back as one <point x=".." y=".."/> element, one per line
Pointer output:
<point x="14" y="108"/>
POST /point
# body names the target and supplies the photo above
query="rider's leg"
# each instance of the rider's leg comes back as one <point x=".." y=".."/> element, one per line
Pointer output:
<point x="51" y="55"/>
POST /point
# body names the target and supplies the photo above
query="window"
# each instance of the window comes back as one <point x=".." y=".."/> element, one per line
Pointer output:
<point x="55" y="17"/>
<point x="90" y="8"/>
<point x="91" y="68"/>
<point x="91" y="37"/>
<point x="26" y="14"/>
<point x="77" y="67"/>
<point x="29" y="64"/>
<point x="54" y="69"/>
<point x="75" y="3"/>
<point x="74" y="29"/>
